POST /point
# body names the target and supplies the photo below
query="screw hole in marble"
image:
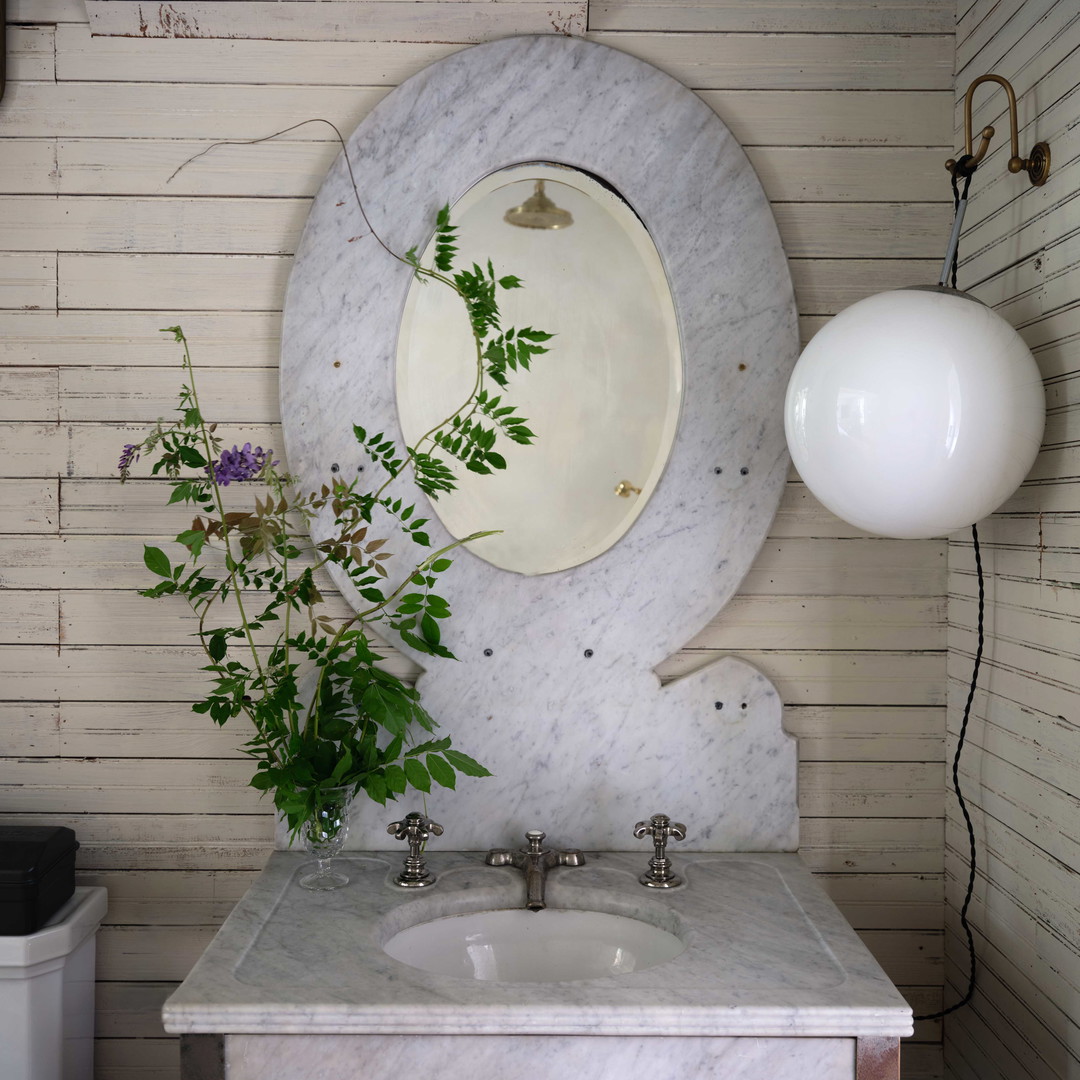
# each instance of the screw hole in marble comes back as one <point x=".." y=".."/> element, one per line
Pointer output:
<point x="744" y="471"/>
<point x="718" y="470"/>
<point x="335" y="467"/>
<point x="588" y="654"/>
<point x="718" y="705"/>
<point x="489" y="652"/>
<point x="743" y="705"/>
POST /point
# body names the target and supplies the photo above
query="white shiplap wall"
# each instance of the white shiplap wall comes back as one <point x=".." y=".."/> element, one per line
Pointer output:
<point x="1021" y="768"/>
<point x="846" y="113"/>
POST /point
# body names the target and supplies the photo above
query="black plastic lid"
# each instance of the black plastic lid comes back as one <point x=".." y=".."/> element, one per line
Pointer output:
<point x="28" y="851"/>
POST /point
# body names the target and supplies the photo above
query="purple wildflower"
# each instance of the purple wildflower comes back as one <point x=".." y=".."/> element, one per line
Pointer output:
<point x="239" y="463"/>
<point x="128" y="455"/>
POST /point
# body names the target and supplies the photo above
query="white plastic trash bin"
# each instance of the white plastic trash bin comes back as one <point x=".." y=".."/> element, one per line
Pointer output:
<point x="47" y="994"/>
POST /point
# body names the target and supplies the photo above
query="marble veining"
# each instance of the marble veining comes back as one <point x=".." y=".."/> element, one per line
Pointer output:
<point x="767" y="955"/>
<point x="535" y="1057"/>
<point x="553" y="688"/>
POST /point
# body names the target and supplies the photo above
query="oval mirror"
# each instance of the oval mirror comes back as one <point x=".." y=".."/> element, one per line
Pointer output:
<point x="603" y="402"/>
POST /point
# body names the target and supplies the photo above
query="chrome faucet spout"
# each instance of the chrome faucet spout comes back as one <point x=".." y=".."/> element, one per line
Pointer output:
<point x="536" y="861"/>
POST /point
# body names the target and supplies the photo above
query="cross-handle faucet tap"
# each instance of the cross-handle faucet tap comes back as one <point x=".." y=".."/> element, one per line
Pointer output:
<point x="415" y="829"/>
<point x="661" y="828"/>
<point x="536" y="861"/>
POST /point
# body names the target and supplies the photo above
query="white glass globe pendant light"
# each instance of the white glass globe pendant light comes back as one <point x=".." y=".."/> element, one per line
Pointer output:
<point x="919" y="411"/>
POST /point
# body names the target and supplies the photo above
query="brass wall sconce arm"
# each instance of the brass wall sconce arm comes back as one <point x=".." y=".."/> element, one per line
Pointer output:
<point x="1037" y="165"/>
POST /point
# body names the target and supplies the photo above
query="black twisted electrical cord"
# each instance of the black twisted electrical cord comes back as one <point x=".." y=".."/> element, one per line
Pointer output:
<point x="957" y="196"/>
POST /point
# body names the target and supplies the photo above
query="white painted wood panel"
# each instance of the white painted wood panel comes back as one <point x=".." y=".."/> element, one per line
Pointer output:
<point x="851" y="17"/>
<point x="1021" y="771"/>
<point x="380" y="20"/>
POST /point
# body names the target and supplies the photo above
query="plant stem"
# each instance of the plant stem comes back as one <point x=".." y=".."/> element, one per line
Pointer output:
<point x="230" y="561"/>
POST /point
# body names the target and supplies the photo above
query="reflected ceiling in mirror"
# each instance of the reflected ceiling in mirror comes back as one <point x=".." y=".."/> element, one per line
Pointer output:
<point x="603" y="402"/>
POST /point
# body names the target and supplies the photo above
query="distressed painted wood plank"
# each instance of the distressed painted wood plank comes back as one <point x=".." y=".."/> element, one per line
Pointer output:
<point x="1041" y="887"/>
<point x="1001" y="981"/>
<point x="172" y="282"/>
<point x="28" y="393"/>
<point x="773" y="16"/>
<point x="31" y="729"/>
<point x="144" y="729"/>
<point x="30" y="506"/>
<point x="913" y="957"/>
<point x="115" y="113"/>
<point x="834" y="733"/>
<point x="257" y="282"/>
<point x="996" y="27"/>
<point x="1055" y="568"/>
<point x="28" y="166"/>
<point x="31" y="53"/>
<point x="887" y="901"/>
<point x="134" y="339"/>
<point x="794" y="61"/>
<point x="82" y="58"/>
<point x="815" y="61"/>
<point x="1019" y="51"/>
<point x="190" y="226"/>
<point x="30" y="449"/>
<point x="46" y="11"/>
<point x="835" y="568"/>
<point x="1048" y="631"/>
<point x="826" y="286"/>
<point x="343" y="20"/>
<point x="244" y="395"/>
<point x="1053" y="668"/>
<point x="871" y="845"/>
<point x="107" y="786"/>
<point x="872" y="789"/>
<point x="1037" y="950"/>
<point x="130" y="1010"/>
<point x="137" y="110"/>
<point x="1030" y="807"/>
<point x="751" y="621"/>
<point x="1029" y="593"/>
<point x="801" y="174"/>
<point x="28" y="281"/>
<point x="155" y="953"/>
<point x="194" y="841"/>
<point x="147" y="1059"/>
<point x="1017" y="686"/>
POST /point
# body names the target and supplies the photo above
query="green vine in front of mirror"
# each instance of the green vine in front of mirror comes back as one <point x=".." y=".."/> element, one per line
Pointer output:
<point x="324" y="712"/>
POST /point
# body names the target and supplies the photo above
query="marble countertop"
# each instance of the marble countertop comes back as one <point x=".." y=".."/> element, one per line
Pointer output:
<point x="767" y="954"/>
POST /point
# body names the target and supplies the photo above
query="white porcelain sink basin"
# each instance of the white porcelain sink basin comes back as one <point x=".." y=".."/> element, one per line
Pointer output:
<point x="515" y="945"/>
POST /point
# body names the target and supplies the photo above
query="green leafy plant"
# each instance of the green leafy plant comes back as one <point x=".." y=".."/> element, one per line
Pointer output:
<point x="324" y="712"/>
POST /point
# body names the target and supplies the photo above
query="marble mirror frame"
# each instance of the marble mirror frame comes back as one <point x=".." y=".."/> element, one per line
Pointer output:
<point x="553" y="687"/>
<point x="673" y="160"/>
